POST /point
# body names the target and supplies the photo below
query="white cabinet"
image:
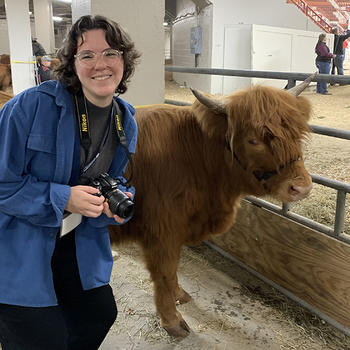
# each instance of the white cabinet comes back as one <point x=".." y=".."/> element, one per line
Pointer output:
<point x="265" y="48"/>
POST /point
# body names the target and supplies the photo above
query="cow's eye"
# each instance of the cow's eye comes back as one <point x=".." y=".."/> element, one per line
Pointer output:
<point x="253" y="141"/>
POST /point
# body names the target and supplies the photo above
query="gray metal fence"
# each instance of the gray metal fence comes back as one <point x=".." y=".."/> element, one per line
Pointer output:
<point x="291" y="77"/>
<point x="342" y="188"/>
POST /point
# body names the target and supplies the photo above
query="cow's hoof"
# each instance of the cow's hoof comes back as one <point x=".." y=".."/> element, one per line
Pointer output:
<point x="183" y="298"/>
<point x="181" y="330"/>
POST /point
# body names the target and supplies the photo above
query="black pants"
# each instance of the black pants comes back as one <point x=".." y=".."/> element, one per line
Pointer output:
<point x="80" y="321"/>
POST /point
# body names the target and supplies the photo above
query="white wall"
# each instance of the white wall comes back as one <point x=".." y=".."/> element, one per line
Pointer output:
<point x="223" y="14"/>
<point x="22" y="68"/>
<point x="143" y="20"/>
<point x="181" y="51"/>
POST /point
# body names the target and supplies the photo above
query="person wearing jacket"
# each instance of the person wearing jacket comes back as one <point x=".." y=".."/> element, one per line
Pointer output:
<point x="54" y="290"/>
<point x="37" y="48"/>
<point x="338" y="50"/>
<point x="323" y="62"/>
<point x="44" y="68"/>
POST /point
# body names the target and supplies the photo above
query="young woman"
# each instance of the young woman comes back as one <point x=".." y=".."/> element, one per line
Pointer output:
<point x="54" y="291"/>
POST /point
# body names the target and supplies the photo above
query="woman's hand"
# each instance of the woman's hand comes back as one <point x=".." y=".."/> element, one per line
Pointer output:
<point x="84" y="200"/>
<point x="108" y="212"/>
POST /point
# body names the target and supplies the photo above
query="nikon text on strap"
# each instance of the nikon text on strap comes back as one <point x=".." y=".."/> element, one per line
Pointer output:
<point x="83" y="119"/>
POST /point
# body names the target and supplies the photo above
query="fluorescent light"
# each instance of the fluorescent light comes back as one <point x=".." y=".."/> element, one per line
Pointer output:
<point x="30" y="13"/>
<point x="57" y="19"/>
<point x="165" y="24"/>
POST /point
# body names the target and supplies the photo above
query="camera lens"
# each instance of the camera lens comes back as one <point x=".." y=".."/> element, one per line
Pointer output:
<point x="120" y="204"/>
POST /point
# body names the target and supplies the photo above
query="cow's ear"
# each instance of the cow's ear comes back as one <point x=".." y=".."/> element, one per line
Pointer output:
<point x="304" y="107"/>
<point x="214" y="104"/>
<point x="213" y="122"/>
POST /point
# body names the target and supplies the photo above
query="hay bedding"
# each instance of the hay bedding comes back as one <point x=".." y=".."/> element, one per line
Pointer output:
<point x="230" y="310"/>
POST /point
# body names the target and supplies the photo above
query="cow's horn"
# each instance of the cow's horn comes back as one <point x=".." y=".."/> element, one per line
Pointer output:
<point x="212" y="103"/>
<point x="297" y="90"/>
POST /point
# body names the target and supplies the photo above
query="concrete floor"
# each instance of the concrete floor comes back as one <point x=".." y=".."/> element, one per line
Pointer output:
<point x="230" y="309"/>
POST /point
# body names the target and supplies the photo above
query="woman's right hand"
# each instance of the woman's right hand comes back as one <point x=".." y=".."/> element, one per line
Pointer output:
<point x="84" y="200"/>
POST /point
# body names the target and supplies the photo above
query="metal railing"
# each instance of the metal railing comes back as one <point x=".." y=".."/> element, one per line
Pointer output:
<point x="291" y="77"/>
<point x="315" y="17"/>
<point x="342" y="188"/>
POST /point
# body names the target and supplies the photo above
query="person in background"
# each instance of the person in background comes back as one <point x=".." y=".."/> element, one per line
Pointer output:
<point x="38" y="49"/>
<point x="44" y="68"/>
<point x="323" y="62"/>
<point x="338" y="50"/>
<point x="54" y="289"/>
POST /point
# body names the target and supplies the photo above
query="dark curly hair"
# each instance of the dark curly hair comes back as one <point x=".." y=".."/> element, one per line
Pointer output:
<point x="116" y="37"/>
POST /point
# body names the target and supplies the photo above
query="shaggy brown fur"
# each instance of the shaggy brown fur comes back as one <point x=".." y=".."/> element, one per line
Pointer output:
<point x="5" y="59"/>
<point x="5" y="76"/>
<point x="189" y="183"/>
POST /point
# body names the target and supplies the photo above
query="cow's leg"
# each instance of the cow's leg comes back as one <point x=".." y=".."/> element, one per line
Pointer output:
<point x="162" y="262"/>
<point x="181" y="296"/>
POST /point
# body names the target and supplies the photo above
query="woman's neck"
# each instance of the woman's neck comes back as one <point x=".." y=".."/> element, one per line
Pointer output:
<point x="98" y="101"/>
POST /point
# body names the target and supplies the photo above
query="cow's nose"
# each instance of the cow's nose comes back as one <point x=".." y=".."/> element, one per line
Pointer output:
<point x="300" y="192"/>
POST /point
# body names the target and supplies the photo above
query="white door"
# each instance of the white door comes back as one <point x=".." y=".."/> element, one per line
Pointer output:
<point x="237" y="46"/>
<point x="271" y="51"/>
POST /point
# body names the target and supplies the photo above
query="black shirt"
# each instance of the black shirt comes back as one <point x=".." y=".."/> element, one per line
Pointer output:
<point x="339" y="41"/>
<point x="104" y="139"/>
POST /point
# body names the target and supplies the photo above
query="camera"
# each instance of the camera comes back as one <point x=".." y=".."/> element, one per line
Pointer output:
<point x="119" y="203"/>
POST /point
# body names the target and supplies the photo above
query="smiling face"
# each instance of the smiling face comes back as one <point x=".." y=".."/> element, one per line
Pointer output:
<point x="100" y="81"/>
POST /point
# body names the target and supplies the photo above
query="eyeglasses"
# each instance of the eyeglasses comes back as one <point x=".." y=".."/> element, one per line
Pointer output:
<point x="89" y="58"/>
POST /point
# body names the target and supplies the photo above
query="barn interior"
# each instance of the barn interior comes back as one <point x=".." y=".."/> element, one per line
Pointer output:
<point x="242" y="299"/>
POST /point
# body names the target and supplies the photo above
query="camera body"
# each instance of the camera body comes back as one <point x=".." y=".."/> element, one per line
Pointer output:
<point x="119" y="203"/>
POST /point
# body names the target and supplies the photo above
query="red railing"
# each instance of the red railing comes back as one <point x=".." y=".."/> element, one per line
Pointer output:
<point x="315" y="17"/>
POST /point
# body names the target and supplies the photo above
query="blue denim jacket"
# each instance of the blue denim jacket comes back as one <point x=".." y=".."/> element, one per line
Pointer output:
<point x="37" y="143"/>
